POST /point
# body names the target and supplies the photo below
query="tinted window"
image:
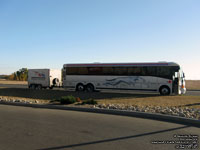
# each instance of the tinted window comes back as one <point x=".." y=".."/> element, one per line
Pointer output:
<point x="107" y="70"/>
<point x="77" y="71"/>
<point x="120" y="71"/>
<point x="82" y="70"/>
<point x="164" y="72"/>
<point x="95" y="71"/>
<point x="151" y="71"/>
<point x="134" y="71"/>
<point x="71" y="71"/>
<point x="158" y="71"/>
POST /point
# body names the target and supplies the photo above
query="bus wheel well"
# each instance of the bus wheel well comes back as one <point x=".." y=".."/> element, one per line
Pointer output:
<point x="80" y="87"/>
<point x="164" y="90"/>
<point x="90" y="87"/>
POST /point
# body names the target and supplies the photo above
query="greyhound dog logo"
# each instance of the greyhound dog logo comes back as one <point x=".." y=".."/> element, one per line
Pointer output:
<point x="125" y="80"/>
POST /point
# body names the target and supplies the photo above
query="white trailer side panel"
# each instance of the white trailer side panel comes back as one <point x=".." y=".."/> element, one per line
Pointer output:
<point x="38" y="76"/>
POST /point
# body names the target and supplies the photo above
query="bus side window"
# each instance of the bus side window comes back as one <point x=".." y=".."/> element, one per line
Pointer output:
<point x="83" y="71"/>
<point x="71" y="71"/>
<point x="143" y="71"/>
<point x="152" y="71"/>
<point x="120" y="71"/>
<point x="134" y="71"/>
<point x="95" y="71"/>
<point x="164" y="72"/>
<point x="107" y="70"/>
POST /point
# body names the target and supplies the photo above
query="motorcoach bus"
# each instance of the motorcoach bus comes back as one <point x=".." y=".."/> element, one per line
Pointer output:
<point x="163" y="77"/>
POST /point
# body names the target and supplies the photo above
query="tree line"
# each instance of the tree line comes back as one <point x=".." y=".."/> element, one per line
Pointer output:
<point x="20" y="75"/>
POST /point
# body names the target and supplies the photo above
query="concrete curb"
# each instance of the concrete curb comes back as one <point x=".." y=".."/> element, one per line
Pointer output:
<point x="160" y="117"/>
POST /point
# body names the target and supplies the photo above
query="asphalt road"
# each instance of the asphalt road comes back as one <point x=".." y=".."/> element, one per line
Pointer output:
<point x="23" y="128"/>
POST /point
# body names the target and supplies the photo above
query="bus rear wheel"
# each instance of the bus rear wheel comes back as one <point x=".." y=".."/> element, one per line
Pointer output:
<point x="164" y="90"/>
<point x="80" y="88"/>
<point x="90" y="88"/>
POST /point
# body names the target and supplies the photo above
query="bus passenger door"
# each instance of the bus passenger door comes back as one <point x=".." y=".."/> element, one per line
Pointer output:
<point x="175" y="84"/>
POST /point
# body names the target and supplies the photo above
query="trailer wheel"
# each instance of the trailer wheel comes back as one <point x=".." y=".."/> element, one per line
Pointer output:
<point x="90" y="88"/>
<point x="32" y="86"/>
<point x="38" y="87"/>
<point x="164" y="90"/>
<point x="80" y="87"/>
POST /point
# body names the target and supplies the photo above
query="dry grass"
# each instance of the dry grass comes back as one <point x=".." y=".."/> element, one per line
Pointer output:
<point x="193" y="84"/>
<point x="13" y="82"/>
<point x="166" y="101"/>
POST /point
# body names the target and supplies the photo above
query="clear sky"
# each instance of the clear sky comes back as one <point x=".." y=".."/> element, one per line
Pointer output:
<point x="50" y="33"/>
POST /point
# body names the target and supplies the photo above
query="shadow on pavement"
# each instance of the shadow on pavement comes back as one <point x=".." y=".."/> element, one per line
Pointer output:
<point x="53" y="94"/>
<point x="113" y="139"/>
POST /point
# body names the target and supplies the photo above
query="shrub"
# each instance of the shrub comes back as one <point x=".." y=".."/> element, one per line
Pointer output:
<point x="67" y="99"/>
<point x="90" y="102"/>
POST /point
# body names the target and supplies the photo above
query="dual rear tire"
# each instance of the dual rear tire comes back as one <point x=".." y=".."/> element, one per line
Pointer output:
<point x="35" y="87"/>
<point x="89" y="88"/>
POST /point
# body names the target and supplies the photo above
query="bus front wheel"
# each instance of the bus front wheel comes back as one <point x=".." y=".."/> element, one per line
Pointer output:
<point x="164" y="90"/>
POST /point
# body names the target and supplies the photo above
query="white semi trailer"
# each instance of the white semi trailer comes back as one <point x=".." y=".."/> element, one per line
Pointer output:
<point x="44" y="78"/>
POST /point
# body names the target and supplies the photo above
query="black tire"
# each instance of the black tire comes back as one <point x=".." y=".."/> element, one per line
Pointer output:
<point x="164" y="90"/>
<point x="32" y="87"/>
<point x="80" y="87"/>
<point x="90" y="88"/>
<point x="51" y="87"/>
<point x="38" y="87"/>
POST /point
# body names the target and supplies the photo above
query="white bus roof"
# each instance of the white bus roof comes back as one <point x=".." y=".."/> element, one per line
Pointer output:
<point x="121" y="64"/>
